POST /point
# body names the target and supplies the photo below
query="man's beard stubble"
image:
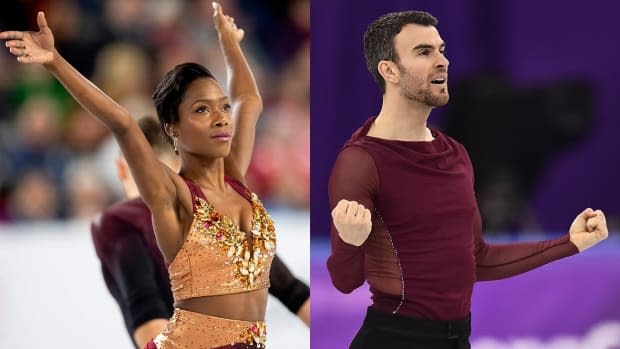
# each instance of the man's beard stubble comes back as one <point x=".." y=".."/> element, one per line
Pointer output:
<point x="413" y="89"/>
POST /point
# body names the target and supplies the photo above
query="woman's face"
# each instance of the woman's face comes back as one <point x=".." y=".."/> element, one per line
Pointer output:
<point x="205" y="125"/>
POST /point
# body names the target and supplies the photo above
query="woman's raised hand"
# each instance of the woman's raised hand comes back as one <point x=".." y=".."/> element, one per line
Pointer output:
<point x="225" y="25"/>
<point x="31" y="47"/>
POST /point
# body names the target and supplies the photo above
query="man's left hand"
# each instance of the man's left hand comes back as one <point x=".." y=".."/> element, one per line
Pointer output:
<point x="588" y="229"/>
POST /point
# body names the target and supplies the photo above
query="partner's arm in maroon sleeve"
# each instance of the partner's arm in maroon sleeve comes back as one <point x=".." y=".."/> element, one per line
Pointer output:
<point x="499" y="261"/>
<point x="353" y="177"/>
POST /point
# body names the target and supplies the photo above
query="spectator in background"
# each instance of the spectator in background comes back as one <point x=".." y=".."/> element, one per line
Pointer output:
<point x="36" y="142"/>
<point x="281" y="164"/>
<point x="35" y="161"/>
<point x="34" y="198"/>
<point x="86" y="196"/>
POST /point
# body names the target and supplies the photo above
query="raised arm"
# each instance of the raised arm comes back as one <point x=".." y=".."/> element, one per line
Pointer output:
<point x="153" y="178"/>
<point x="245" y="98"/>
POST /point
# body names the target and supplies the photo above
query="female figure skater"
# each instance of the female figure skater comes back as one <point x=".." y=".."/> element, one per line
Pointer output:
<point x="133" y="268"/>
<point x="214" y="234"/>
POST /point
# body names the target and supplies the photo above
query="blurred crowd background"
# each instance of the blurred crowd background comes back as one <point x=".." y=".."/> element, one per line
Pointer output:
<point x="57" y="162"/>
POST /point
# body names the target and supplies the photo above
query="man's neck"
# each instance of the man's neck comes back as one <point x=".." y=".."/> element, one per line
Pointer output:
<point x="401" y="119"/>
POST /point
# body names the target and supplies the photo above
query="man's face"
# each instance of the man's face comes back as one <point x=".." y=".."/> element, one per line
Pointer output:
<point x="422" y="65"/>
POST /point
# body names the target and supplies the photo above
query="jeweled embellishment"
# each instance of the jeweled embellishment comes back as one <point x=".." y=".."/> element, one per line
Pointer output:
<point x="249" y="263"/>
<point x="256" y="335"/>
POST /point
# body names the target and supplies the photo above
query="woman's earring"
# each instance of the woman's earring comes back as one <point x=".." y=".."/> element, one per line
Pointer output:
<point x="174" y="144"/>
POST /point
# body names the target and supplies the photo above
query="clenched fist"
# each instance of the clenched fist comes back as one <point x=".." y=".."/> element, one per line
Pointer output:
<point x="588" y="229"/>
<point x="353" y="222"/>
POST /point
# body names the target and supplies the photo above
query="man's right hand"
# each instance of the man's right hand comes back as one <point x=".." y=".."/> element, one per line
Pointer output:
<point x="353" y="222"/>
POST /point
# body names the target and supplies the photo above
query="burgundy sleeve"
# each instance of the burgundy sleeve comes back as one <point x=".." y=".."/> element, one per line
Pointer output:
<point x="288" y="289"/>
<point x="129" y="271"/>
<point x="499" y="261"/>
<point x="353" y="177"/>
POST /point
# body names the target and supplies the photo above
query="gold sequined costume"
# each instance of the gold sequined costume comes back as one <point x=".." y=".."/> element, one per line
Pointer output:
<point x="216" y="258"/>
<point x="188" y="329"/>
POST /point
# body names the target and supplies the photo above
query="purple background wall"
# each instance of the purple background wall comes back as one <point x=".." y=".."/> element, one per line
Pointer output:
<point x="529" y="41"/>
<point x="568" y="304"/>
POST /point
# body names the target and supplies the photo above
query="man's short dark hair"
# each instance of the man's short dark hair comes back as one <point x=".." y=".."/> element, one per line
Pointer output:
<point x="379" y="38"/>
<point x="154" y="134"/>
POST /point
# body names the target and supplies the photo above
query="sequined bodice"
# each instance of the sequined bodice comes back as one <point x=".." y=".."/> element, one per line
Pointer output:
<point x="217" y="257"/>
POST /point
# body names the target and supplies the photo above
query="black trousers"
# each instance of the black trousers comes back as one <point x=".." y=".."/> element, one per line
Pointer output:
<point x="382" y="331"/>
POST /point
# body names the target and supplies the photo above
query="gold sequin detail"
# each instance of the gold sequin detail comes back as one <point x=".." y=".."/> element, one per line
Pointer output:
<point x="190" y="330"/>
<point x="256" y="335"/>
<point x="248" y="260"/>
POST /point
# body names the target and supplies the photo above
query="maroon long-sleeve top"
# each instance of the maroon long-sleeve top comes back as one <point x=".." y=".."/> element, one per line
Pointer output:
<point x="425" y="250"/>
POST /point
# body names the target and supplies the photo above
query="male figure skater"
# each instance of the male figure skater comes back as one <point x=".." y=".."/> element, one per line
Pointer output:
<point x="134" y="269"/>
<point x="404" y="211"/>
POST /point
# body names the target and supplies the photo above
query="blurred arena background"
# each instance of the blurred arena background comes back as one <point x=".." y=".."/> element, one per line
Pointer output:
<point x="534" y="99"/>
<point x="57" y="167"/>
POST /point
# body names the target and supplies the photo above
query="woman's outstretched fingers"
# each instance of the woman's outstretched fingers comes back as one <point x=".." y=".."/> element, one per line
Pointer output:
<point x="12" y="35"/>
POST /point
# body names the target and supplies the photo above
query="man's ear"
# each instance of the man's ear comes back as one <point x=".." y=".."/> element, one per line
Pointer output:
<point x="121" y="169"/>
<point x="389" y="71"/>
